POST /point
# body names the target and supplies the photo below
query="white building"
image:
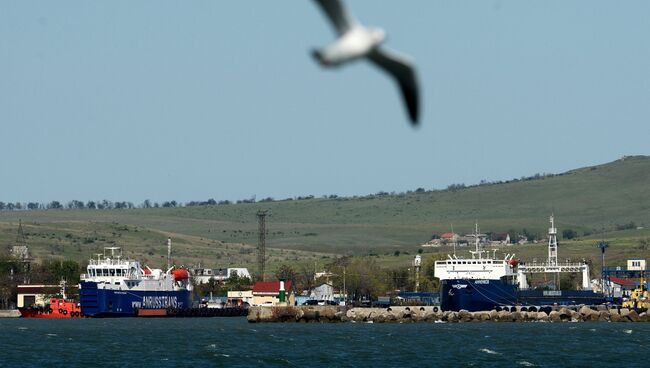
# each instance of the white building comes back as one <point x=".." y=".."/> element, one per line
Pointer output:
<point x="323" y="292"/>
<point x="203" y="275"/>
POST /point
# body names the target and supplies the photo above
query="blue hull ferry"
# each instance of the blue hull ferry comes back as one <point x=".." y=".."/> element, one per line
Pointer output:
<point x="483" y="282"/>
<point x="113" y="287"/>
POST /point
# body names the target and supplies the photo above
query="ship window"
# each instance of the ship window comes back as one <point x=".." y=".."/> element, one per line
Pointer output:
<point x="112" y="271"/>
<point x="118" y="272"/>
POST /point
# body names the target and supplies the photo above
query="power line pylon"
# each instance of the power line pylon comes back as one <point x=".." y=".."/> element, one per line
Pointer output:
<point x="261" y="246"/>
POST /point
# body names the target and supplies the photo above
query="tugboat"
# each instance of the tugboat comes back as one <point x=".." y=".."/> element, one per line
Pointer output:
<point x="56" y="308"/>
<point x="114" y="287"/>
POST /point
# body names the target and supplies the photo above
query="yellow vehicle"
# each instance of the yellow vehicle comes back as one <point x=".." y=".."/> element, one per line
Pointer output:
<point x="640" y="297"/>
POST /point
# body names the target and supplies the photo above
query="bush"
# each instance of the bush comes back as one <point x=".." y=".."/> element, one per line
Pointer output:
<point x="569" y="234"/>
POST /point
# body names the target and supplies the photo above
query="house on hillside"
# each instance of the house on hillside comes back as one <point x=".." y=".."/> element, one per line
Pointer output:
<point x="448" y="238"/>
<point x="268" y="293"/>
<point x="500" y="239"/>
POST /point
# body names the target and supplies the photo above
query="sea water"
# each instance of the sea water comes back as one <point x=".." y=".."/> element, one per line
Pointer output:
<point x="233" y="342"/>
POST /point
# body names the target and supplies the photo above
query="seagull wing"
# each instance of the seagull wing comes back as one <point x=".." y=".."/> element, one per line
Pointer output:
<point x="404" y="73"/>
<point x="336" y="12"/>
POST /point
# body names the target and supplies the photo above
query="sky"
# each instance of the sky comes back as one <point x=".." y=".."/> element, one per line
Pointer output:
<point x="191" y="100"/>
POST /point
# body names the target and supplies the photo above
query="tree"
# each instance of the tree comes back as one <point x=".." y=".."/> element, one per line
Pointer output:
<point x="365" y="279"/>
<point x="286" y="272"/>
<point x="569" y="234"/>
<point x="236" y="282"/>
<point x="54" y="205"/>
<point x="428" y="279"/>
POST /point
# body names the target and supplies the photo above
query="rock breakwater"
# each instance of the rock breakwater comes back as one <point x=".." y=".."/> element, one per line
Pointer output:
<point x="435" y="315"/>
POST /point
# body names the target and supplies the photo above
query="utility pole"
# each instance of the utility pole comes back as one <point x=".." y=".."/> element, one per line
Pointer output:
<point x="345" y="293"/>
<point x="417" y="262"/>
<point x="261" y="245"/>
<point x="603" y="245"/>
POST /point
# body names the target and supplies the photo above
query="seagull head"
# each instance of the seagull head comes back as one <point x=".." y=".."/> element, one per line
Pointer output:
<point x="378" y="35"/>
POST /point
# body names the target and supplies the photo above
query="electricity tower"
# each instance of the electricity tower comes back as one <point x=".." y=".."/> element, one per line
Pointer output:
<point x="261" y="246"/>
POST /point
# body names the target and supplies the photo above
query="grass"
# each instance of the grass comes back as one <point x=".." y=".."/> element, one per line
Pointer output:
<point x="590" y="200"/>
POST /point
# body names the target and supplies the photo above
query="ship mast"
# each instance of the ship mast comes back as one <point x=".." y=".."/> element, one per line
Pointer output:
<point x="552" y="244"/>
<point x="478" y="251"/>
<point x="169" y="253"/>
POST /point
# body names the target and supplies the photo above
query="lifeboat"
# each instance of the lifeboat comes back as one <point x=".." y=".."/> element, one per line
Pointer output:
<point x="180" y="274"/>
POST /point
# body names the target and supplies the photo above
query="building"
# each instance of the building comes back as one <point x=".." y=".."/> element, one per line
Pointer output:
<point x="449" y="238"/>
<point x="203" y="275"/>
<point x="636" y="264"/>
<point x="322" y="292"/>
<point x="240" y="296"/>
<point x="37" y="295"/>
<point x="268" y="292"/>
<point x="500" y="239"/>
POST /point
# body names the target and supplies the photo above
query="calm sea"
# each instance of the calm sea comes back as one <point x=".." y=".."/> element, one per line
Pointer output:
<point x="233" y="342"/>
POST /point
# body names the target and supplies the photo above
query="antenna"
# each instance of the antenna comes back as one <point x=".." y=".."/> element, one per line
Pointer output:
<point x="169" y="253"/>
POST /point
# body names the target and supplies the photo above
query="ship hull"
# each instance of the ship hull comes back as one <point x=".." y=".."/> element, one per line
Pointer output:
<point x="483" y="295"/>
<point x="57" y="308"/>
<point x="476" y="295"/>
<point x="99" y="302"/>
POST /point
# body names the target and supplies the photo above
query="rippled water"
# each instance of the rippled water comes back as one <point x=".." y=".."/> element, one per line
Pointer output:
<point x="233" y="342"/>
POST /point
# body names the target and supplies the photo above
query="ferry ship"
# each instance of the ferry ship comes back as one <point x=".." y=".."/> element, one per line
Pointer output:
<point x="484" y="282"/>
<point x="115" y="287"/>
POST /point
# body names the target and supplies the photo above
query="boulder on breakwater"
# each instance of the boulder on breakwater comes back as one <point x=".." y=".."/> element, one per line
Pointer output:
<point x="303" y="313"/>
<point x="410" y="314"/>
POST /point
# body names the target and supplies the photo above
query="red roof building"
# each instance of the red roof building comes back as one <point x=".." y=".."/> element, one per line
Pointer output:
<point x="448" y="236"/>
<point x="267" y="293"/>
<point x="270" y="287"/>
<point x="622" y="282"/>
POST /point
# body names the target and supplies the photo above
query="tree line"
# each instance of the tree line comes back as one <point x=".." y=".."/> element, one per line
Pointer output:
<point x="109" y="205"/>
<point x="363" y="278"/>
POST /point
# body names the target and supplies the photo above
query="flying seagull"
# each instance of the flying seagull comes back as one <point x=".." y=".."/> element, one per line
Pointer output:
<point x="356" y="41"/>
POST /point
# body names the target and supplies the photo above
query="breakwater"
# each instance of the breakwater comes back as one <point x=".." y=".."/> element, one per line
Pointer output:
<point x="433" y="314"/>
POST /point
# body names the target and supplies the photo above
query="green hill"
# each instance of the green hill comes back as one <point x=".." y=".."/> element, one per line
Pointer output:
<point x="593" y="201"/>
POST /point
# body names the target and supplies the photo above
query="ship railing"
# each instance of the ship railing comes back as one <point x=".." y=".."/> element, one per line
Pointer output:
<point x="547" y="264"/>
<point x="108" y="262"/>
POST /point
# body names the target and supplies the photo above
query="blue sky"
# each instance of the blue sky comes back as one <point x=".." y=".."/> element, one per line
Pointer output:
<point x="193" y="100"/>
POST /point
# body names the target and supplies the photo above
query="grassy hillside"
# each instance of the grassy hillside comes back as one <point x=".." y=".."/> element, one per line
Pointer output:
<point x="590" y="200"/>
